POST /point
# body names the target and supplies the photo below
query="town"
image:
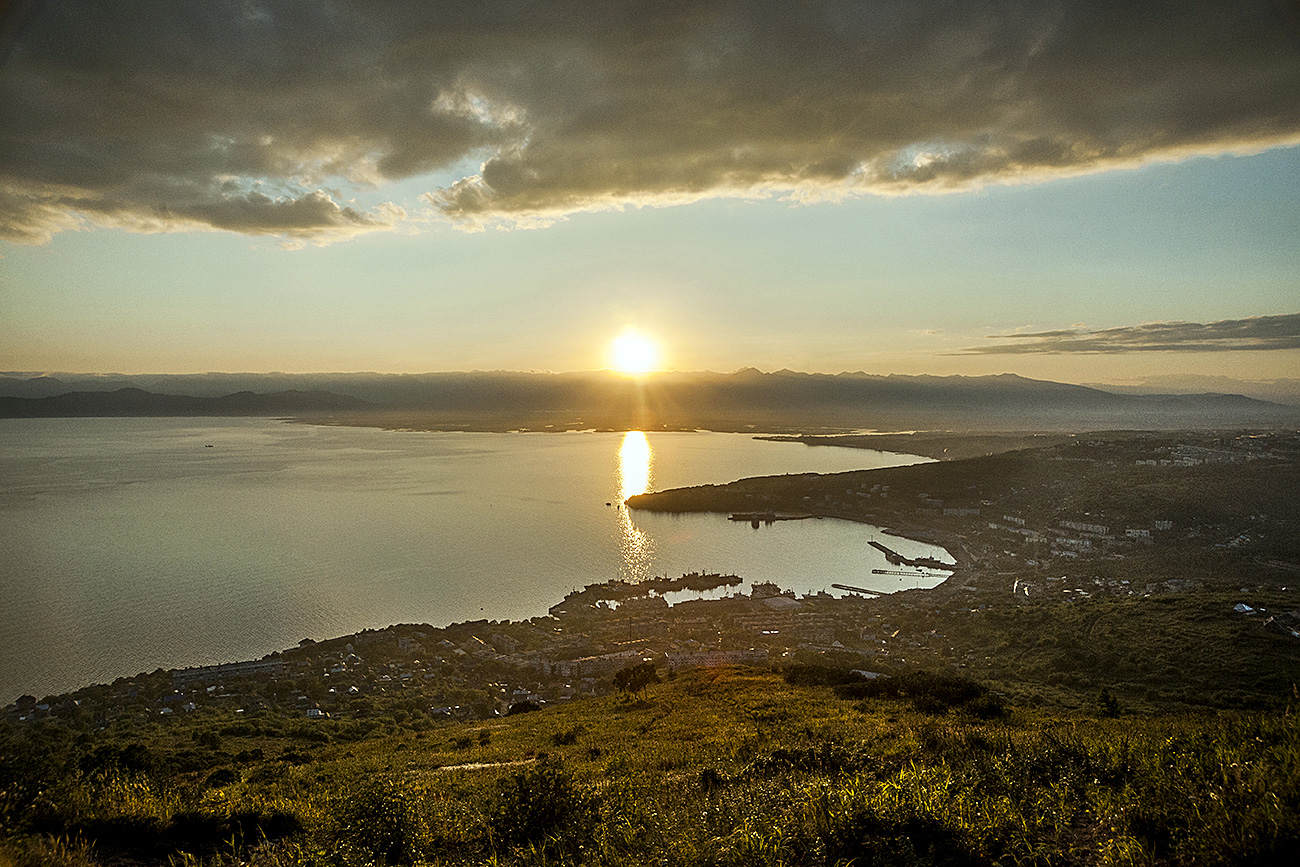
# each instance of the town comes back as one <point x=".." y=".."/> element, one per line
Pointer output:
<point x="1062" y="552"/>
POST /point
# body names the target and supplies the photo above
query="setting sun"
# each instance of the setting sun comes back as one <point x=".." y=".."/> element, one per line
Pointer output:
<point x="633" y="352"/>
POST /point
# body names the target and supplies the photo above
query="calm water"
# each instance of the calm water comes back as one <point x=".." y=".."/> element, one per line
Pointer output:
<point x="133" y="544"/>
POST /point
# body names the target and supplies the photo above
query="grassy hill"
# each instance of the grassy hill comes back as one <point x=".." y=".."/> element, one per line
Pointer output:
<point x="712" y="766"/>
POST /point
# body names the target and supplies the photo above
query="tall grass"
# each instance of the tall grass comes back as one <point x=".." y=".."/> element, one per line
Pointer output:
<point x="740" y="771"/>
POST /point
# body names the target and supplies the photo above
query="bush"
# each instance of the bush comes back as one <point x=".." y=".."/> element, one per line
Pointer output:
<point x="542" y="807"/>
<point x="1107" y="705"/>
<point x="888" y="834"/>
<point x="636" y="678"/>
<point x="523" y="707"/>
<point x="380" y="820"/>
<point x="567" y="737"/>
<point x="987" y="707"/>
<point x="930" y="704"/>
<point x="221" y="777"/>
<point x="711" y="780"/>
<point x="930" y="692"/>
<point x="199" y="832"/>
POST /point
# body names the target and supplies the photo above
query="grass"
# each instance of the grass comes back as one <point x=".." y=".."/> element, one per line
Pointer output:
<point x="715" y="767"/>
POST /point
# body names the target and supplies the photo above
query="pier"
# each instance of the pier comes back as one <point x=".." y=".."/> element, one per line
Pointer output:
<point x="857" y="589"/>
<point x="897" y="559"/>
<point x="768" y="518"/>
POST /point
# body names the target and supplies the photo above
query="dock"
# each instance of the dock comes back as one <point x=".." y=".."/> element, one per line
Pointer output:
<point x="857" y="589"/>
<point x="768" y="518"/>
<point x="897" y="559"/>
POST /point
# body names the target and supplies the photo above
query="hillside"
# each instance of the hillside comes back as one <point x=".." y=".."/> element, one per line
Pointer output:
<point x="710" y="766"/>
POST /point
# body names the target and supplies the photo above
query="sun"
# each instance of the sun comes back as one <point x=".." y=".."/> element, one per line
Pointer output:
<point x="633" y="352"/>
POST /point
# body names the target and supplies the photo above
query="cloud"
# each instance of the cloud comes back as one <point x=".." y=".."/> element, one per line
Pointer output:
<point x="240" y="115"/>
<point x="1255" y="333"/>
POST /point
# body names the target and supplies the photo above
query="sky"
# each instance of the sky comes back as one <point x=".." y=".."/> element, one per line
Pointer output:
<point x="1079" y="191"/>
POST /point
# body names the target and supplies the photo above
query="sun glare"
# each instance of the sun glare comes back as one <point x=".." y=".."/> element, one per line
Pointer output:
<point x="633" y="352"/>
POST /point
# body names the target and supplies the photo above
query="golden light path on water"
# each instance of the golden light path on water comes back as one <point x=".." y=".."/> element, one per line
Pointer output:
<point x="635" y="466"/>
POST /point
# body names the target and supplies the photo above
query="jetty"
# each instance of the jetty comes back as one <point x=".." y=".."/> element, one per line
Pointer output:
<point x="897" y="559"/>
<point x="852" y="589"/>
<point x="768" y="518"/>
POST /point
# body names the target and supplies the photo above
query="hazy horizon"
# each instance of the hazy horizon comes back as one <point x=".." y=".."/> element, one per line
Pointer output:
<point x="1118" y="382"/>
<point x="1279" y="389"/>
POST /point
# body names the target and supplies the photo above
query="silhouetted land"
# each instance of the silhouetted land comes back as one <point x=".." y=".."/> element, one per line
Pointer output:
<point x="940" y="446"/>
<point x="137" y="402"/>
<point x="746" y="401"/>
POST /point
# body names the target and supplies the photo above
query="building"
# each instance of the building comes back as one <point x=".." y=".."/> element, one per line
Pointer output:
<point x="711" y="658"/>
<point x="218" y="673"/>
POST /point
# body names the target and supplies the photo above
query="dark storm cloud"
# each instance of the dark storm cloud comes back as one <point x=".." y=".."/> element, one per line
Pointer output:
<point x="1257" y="332"/>
<point x="240" y="115"/>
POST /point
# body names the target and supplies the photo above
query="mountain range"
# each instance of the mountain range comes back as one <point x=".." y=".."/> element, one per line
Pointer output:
<point x="747" y="399"/>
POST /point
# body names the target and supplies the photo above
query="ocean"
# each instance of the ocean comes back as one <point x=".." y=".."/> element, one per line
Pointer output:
<point x="132" y="544"/>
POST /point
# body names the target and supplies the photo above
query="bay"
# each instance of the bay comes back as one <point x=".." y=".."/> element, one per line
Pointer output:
<point x="133" y="544"/>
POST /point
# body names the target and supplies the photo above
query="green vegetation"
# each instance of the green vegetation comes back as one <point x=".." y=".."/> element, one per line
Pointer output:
<point x="722" y="766"/>
<point x="636" y="678"/>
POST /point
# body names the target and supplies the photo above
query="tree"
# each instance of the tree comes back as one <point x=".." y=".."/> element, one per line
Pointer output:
<point x="635" y="678"/>
<point x="1107" y="704"/>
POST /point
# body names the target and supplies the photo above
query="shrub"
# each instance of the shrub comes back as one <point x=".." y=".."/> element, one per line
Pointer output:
<point x="1107" y="705"/>
<point x="221" y="777"/>
<point x="930" y="704"/>
<point x="566" y="738"/>
<point x="987" y="707"/>
<point x="380" y="820"/>
<point x="868" y="832"/>
<point x="930" y="692"/>
<point x="201" y="832"/>
<point x="542" y="807"/>
<point x="711" y="780"/>
<point x="522" y="707"/>
<point x="636" y="678"/>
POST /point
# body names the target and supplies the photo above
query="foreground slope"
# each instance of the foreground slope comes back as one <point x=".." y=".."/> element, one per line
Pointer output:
<point x="711" y="766"/>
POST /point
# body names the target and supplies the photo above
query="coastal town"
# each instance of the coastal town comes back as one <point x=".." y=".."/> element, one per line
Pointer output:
<point x="1041" y="537"/>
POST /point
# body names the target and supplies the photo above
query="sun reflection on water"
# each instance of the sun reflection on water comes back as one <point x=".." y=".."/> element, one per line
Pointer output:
<point x="635" y="463"/>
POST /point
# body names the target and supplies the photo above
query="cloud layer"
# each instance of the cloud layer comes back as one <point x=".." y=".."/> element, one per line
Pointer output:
<point x="252" y="116"/>
<point x="1257" y="332"/>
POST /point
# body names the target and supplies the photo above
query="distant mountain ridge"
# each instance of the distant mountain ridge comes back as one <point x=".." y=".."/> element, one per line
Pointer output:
<point x="132" y="401"/>
<point x="746" y="399"/>
<point x="1275" y="390"/>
